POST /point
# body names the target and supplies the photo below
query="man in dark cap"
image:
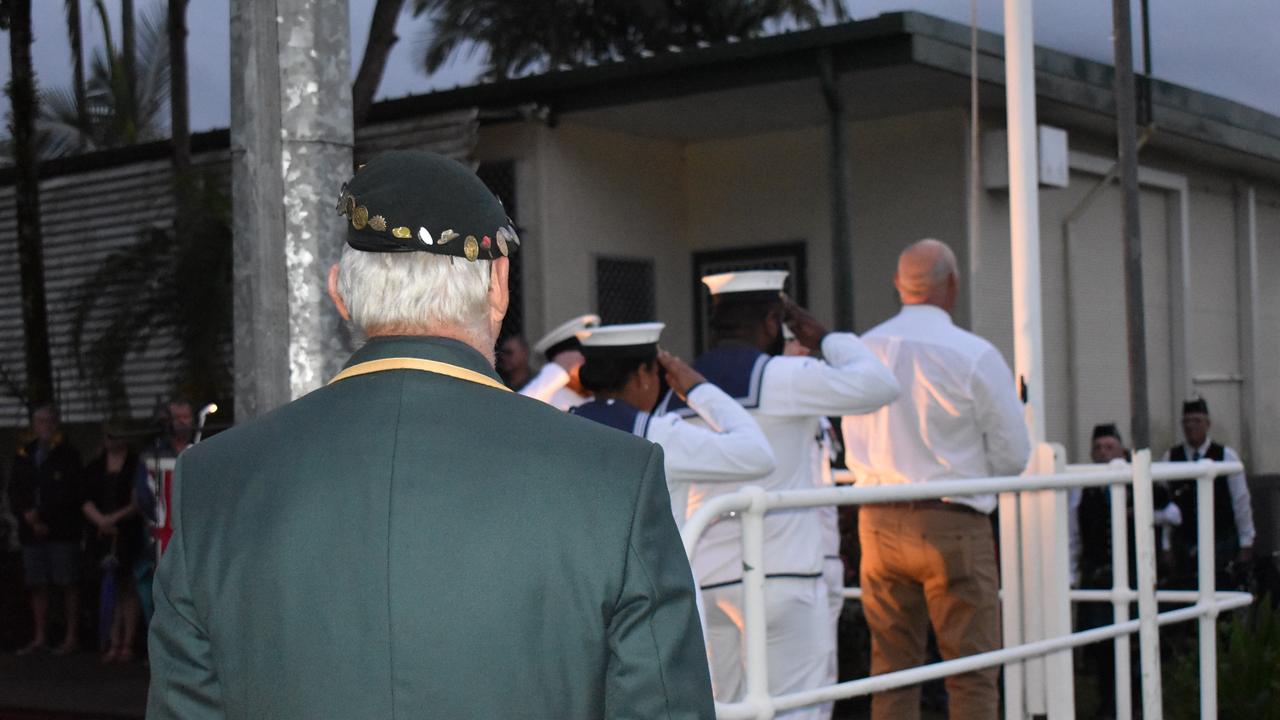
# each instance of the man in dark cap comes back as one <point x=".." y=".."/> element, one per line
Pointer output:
<point x="415" y="540"/>
<point x="1091" y="559"/>
<point x="1232" y="509"/>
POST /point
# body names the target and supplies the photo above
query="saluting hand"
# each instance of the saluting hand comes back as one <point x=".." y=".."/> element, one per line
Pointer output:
<point x="803" y="325"/>
<point x="570" y="360"/>
<point x="680" y="376"/>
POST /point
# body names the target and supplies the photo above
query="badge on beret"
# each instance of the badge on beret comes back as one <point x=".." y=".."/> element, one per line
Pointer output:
<point x="419" y="201"/>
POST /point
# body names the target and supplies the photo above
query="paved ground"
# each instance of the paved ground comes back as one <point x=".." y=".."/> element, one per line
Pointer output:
<point x="44" y="687"/>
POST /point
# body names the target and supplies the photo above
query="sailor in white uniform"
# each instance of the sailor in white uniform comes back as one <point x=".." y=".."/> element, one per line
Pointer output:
<point x="622" y="370"/>
<point x="787" y="396"/>
<point x="557" y="383"/>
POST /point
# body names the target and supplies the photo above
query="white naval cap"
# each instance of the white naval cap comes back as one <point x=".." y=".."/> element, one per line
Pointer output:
<point x="746" y="281"/>
<point x="566" y="331"/>
<point x="621" y="337"/>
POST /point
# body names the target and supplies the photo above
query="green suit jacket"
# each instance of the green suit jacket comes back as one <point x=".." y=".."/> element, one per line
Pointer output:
<point x="409" y="545"/>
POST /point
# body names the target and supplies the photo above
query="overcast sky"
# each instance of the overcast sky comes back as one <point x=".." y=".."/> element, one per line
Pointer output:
<point x="1231" y="49"/>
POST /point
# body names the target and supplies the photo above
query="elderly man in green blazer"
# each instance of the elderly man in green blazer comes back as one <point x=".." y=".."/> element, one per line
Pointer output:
<point x="413" y="540"/>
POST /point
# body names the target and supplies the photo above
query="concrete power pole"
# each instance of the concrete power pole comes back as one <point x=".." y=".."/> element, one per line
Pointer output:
<point x="1134" y="304"/>
<point x="291" y="140"/>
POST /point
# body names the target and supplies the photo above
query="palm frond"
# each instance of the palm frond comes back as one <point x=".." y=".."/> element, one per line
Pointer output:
<point x="173" y="283"/>
<point x="537" y="34"/>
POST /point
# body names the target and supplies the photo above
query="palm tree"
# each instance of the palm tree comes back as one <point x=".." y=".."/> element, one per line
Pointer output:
<point x="541" y="34"/>
<point x="171" y="284"/>
<point x="179" y="112"/>
<point x="123" y="106"/>
<point x="382" y="37"/>
<point x="16" y="16"/>
<point x="76" y="36"/>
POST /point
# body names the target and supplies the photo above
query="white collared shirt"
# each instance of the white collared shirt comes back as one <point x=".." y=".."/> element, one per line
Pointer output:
<point x="958" y="415"/>
<point x="551" y="386"/>
<point x="1241" y="504"/>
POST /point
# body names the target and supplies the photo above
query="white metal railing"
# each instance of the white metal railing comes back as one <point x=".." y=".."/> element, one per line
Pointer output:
<point x="751" y="503"/>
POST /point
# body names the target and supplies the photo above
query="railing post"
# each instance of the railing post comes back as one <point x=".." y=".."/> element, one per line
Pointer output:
<point x="1032" y="608"/>
<point x="1056" y="587"/>
<point x="1207" y="557"/>
<point x="1011" y="602"/>
<point x="753" y="604"/>
<point x="1119" y="603"/>
<point x="1148" y="627"/>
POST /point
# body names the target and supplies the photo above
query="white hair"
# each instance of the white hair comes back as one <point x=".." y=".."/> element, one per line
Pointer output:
<point x="415" y="290"/>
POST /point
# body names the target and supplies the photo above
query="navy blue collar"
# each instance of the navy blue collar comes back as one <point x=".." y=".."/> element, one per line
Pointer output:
<point x="617" y="414"/>
<point x="736" y="369"/>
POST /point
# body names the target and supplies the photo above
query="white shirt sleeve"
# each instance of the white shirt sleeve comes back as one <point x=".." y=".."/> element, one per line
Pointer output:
<point x="549" y="380"/>
<point x="1170" y="515"/>
<point x="1000" y="415"/>
<point x="851" y="381"/>
<point x="732" y="450"/>
<point x="1241" y="504"/>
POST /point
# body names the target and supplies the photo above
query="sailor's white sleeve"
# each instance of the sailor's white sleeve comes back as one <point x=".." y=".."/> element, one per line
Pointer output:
<point x="1241" y="503"/>
<point x="851" y="381"/>
<point x="549" y="380"/>
<point x="731" y="448"/>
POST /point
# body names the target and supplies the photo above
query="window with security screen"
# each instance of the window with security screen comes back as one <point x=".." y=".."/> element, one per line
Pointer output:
<point x="625" y="290"/>
<point x="500" y="178"/>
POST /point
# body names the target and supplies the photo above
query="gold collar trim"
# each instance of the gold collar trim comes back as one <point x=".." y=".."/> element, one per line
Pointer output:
<point x="431" y="366"/>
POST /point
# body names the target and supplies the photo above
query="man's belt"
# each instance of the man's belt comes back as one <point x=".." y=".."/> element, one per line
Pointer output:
<point x="932" y="504"/>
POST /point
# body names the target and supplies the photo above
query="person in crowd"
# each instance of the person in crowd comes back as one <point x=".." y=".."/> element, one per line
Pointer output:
<point x="512" y="361"/>
<point x="622" y="372"/>
<point x="1233" y="528"/>
<point x="46" y="494"/>
<point x="414" y="537"/>
<point x="109" y="507"/>
<point x="177" y="431"/>
<point x="934" y="561"/>
<point x="1091" y="554"/>
<point x="786" y="396"/>
<point x="558" y="382"/>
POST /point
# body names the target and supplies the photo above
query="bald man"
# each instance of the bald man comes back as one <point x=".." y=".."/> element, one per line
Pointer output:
<point x="934" y="561"/>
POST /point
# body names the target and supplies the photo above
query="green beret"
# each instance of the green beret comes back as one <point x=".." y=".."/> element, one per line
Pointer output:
<point x="414" y="200"/>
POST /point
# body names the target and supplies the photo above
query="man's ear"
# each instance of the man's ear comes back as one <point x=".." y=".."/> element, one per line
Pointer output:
<point x="499" y="293"/>
<point x="334" y="296"/>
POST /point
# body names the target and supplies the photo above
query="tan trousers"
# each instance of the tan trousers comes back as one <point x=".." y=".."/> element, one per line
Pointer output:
<point x="922" y="565"/>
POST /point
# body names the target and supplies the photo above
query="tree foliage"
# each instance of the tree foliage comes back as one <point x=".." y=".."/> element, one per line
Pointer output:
<point x="121" y="109"/>
<point x="174" y="283"/>
<point x="523" y="37"/>
<point x="1248" y="668"/>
